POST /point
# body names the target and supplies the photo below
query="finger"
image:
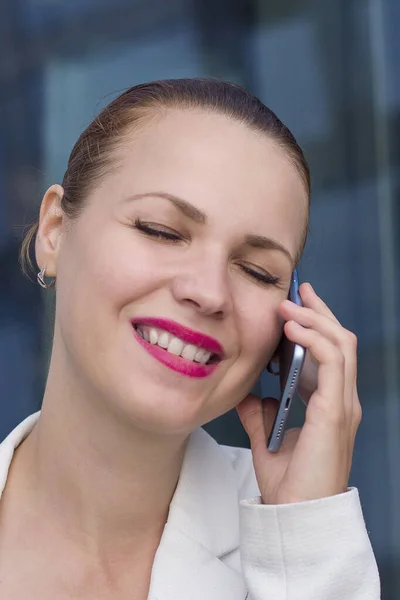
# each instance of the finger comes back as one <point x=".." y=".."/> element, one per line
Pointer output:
<point x="357" y="413"/>
<point x="345" y="340"/>
<point x="309" y="317"/>
<point x="311" y="300"/>
<point x="331" y="371"/>
<point x="333" y="330"/>
<point x="257" y="417"/>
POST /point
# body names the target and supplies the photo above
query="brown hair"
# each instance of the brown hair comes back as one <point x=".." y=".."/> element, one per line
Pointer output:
<point x="92" y="156"/>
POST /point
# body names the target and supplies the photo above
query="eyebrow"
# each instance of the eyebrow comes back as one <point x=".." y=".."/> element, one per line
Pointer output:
<point x="255" y="241"/>
<point x="264" y="243"/>
<point x="183" y="206"/>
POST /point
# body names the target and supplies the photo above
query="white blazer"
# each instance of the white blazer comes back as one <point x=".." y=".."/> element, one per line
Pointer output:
<point x="217" y="545"/>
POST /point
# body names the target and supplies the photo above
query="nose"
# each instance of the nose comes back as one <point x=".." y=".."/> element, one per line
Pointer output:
<point x="204" y="285"/>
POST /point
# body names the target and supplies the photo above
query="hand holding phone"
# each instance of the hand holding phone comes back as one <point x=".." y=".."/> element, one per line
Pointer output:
<point x="316" y="460"/>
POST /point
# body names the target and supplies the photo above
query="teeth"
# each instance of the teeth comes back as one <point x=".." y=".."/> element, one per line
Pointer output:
<point x="199" y="355"/>
<point x="206" y="358"/>
<point x="202" y="356"/>
<point x="189" y="352"/>
<point x="163" y="340"/>
<point x="173" y="344"/>
<point x="153" y="335"/>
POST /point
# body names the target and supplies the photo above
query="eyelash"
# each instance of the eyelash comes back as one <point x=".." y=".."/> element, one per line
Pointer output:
<point x="261" y="277"/>
<point x="167" y="236"/>
<point x="158" y="233"/>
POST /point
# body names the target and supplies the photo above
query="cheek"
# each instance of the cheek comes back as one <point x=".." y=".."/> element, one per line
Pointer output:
<point x="261" y="326"/>
<point x="113" y="269"/>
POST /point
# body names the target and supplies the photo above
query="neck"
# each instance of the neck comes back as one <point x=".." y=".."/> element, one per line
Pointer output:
<point x="106" y="482"/>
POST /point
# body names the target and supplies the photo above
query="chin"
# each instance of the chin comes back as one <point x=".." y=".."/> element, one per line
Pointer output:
<point x="159" y="400"/>
<point x="158" y="410"/>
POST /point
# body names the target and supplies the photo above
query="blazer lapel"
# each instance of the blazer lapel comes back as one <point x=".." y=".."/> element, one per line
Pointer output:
<point x="10" y="443"/>
<point x="202" y="528"/>
<point x="184" y="570"/>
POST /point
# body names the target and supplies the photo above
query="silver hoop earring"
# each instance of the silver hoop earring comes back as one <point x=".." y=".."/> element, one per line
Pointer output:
<point x="41" y="280"/>
<point x="271" y="370"/>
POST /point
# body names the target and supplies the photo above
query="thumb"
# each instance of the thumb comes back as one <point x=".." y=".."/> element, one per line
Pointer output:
<point x="257" y="416"/>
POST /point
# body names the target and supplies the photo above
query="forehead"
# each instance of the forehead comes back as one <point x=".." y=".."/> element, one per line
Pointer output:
<point x="221" y="166"/>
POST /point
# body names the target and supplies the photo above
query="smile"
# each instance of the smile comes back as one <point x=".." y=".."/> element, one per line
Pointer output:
<point x="181" y="349"/>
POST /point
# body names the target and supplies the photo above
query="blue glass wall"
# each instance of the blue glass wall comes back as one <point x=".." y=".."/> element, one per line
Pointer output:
<point x="330" y="70"/>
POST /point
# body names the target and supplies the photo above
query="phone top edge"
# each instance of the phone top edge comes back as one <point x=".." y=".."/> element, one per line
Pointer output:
<point x="294" y="294"/>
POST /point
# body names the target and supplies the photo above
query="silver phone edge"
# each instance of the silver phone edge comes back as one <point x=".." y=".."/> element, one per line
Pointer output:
<point x="275" y="438"/>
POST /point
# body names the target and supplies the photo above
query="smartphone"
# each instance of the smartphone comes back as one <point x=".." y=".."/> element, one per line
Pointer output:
<point x="291" y="360"/>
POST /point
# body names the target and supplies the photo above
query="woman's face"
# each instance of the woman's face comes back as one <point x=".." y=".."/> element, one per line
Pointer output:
<point x="190" y="244"/>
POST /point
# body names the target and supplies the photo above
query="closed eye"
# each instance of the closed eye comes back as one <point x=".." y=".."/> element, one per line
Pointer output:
<point x="261" y="276"/>
<point x="157" y="231"/>
<point x="169" y="235"/>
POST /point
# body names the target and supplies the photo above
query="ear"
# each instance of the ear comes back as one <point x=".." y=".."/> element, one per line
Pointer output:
<point x="48" y="239"/>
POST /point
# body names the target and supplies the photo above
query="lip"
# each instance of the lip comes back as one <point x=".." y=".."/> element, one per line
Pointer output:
<point x="177" y="363"/>
<point x="189" y="336"/>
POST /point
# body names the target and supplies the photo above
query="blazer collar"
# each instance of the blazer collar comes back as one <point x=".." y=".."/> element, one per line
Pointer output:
<point x="11" y="442"/>
<point x="202" y="527"/>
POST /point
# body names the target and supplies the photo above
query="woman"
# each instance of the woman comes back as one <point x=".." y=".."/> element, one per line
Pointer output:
<point x="172" y="240"/>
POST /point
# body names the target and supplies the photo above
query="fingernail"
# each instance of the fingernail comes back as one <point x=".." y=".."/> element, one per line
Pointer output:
<point x="296" y="325"/>
<point x="290" y="304"/>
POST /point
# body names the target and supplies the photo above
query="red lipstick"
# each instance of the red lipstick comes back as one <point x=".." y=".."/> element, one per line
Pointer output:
<point x="189" y="336"/>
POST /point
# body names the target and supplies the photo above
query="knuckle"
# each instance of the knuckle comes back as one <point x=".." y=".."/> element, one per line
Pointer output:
<point x="351" y="339"/>
<point x="333" y="416"/>
<point x="357" y="413"/>
<point x="338" y="356"/>
<point x="337" y="419"/>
